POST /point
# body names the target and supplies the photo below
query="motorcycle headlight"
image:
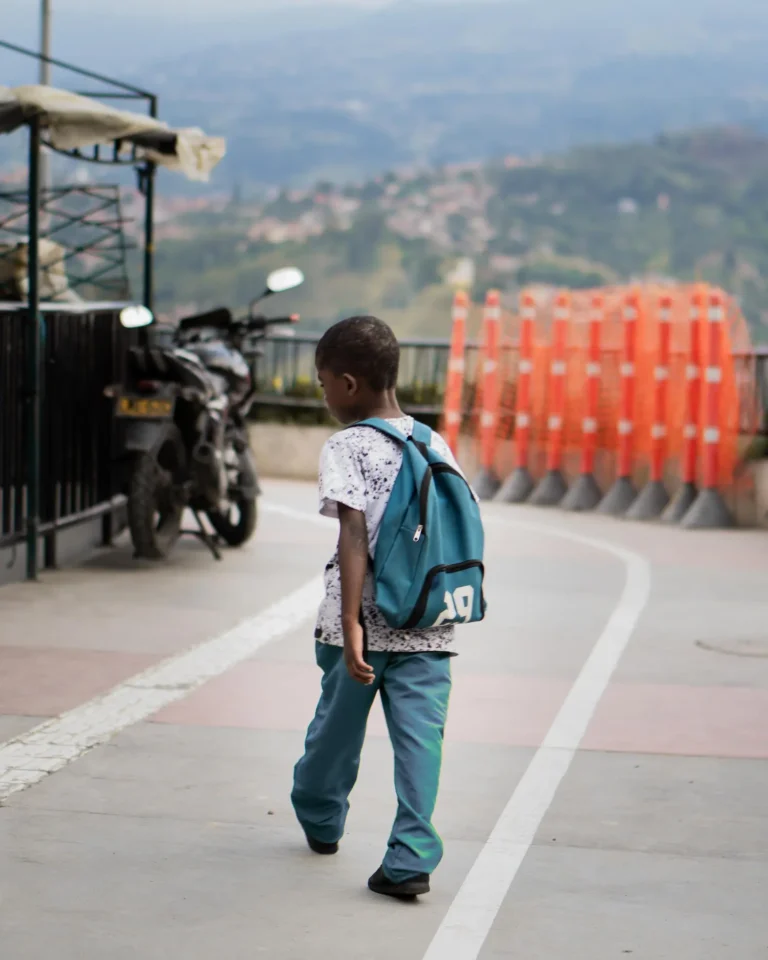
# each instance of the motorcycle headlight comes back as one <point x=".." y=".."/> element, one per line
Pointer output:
<point x="136" y="316"/>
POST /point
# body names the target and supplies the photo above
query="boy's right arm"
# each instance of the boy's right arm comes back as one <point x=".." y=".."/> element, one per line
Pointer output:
<point x="353" y="568"/>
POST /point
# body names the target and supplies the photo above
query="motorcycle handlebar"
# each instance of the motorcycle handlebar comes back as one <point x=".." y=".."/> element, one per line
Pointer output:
<point x="220" y="319"/>
<point x="261" y="323"/>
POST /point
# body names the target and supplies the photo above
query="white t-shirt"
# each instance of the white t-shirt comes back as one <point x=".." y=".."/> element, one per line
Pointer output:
<point x="358" y="468"/>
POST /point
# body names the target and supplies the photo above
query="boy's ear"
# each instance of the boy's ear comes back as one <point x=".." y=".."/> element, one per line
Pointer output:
<point x="351" y="384"/>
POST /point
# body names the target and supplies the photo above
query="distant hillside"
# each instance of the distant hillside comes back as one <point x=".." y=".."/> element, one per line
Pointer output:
<point x="685" y="206"/>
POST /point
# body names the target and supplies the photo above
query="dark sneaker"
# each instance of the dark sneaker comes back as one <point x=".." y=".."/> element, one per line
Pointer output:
<point x="406" y="890"/>
<point x="324" y="849"/>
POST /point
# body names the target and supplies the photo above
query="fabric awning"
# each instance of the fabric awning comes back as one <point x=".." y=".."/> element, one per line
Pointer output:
<point x="75" y="122"/>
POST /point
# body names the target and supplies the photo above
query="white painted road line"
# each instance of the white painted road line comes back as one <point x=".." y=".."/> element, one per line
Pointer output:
<point x="470" y="917"/>
<point x="31" y="757"/>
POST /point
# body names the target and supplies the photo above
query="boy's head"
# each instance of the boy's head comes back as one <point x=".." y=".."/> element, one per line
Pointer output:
<point x="357" y="362"/>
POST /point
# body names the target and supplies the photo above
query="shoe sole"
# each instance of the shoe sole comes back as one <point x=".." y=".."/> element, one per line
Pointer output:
<point x="404" y="891"/>
<point x="322" y="849"/>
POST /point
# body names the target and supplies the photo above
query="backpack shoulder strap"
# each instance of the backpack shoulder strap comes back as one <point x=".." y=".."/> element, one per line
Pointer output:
<point x="383" y="427"/>
<point x="422" y="433"/>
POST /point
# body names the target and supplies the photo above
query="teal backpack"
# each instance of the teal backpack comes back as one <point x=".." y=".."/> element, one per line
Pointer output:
<point x="428" y="563"/>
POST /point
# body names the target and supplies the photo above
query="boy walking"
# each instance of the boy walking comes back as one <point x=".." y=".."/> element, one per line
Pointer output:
<point x="360" y="654"/>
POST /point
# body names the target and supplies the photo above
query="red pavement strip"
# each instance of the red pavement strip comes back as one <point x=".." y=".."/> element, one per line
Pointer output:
<point x="500" y="709"/>
<point x="282" y="696"/>
<point x="39" y="682"/>
<point x="686" y="721"/>
<point x="509" y="710"/>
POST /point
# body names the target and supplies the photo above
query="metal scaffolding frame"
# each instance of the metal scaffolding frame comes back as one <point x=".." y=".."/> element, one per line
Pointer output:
<point x="147" y="172"/>
<point x="87" y="222"/>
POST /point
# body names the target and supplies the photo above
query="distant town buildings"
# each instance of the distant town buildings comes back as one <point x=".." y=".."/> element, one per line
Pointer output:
<point x="447" y="207"/>
<point x="449" y="210"/>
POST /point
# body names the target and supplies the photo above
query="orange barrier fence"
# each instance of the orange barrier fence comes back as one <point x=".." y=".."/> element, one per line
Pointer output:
<point x="614" y="399"/>
<point x="553" y="487"/>
<point x="519" y="485"/>
<point x="585" y="493"/>
<point x="622" y="494"/>
<point x="654" y="499"/>
<point x="487" y="482"/>
<point x="454" y="386"/>
<point x="709" y="510"/>
<point x="686" y="495"/>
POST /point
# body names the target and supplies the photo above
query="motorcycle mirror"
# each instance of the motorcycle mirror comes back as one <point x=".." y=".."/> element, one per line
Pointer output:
<point x="286" y="279"/>
<point x="136" y="316"/>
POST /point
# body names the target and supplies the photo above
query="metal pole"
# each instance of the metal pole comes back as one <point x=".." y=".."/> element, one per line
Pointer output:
<point x="45" y="80"/>
<point x="149" y="214"/>
<point x="33" y="352"/>
<point x="149" y="243"/>
<point x="45" y="42"/>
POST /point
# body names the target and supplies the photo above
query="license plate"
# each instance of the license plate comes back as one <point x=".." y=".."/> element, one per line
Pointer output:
<point x="148" y="407"/>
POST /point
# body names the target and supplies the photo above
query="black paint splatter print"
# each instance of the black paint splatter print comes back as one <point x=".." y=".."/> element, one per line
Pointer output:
<point x="358" y="467"/>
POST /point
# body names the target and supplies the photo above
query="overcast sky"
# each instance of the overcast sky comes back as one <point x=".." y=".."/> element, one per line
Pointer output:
<point x="219" y="6"/>
<point x="196" y="9"/>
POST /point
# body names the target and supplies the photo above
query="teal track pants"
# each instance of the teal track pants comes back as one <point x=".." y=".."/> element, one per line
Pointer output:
<point x="414" y="691"/>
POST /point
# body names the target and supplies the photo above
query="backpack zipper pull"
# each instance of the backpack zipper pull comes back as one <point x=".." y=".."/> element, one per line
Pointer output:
<point x="417" y="535"/>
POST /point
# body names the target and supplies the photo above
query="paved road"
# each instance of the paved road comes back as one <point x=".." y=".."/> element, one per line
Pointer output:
<point x="174" y="837"/>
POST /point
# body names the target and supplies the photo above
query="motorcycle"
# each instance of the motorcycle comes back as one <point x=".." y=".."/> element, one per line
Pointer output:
<point x="181" y="431"/>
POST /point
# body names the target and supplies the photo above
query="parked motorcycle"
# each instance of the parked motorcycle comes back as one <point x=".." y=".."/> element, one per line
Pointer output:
<point x="180" y="425"/>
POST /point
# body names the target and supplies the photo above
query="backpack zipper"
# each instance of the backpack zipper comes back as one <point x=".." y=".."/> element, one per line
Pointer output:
<point x="423" y="503"/>
<point x="432" y="468"/>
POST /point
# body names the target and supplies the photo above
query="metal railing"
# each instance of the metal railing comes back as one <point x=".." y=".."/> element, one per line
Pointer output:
<point x="761" y="377"/>
<point x="286" y="377"/>
<point x="84" y="349"/>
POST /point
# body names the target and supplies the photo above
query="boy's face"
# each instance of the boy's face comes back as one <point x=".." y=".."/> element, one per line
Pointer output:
<point x="342" y="395"/>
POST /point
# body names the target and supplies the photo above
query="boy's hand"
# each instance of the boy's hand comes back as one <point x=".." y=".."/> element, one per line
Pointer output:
<point x="358" y="669"/>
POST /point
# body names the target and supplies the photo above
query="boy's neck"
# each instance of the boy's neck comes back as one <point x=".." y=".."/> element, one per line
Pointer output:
<point x="383" y="407"/>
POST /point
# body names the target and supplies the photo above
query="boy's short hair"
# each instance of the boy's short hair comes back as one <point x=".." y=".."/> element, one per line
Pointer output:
<point x="363" y="347"/>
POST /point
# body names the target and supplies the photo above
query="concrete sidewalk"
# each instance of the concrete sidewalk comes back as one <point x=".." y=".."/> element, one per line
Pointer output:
<point x="175" y="837"/>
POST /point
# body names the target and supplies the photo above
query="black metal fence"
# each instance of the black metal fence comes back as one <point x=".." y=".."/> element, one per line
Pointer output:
<point x="761" y="355"/>
<point x="12" y="448"/>
<point x="83" y="351"/>
<point x="286" y="375"/>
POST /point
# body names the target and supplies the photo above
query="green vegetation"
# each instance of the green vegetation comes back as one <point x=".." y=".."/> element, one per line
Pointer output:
<point x="689" y="206"/>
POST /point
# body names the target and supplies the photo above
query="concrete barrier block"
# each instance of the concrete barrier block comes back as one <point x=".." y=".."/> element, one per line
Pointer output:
<point x="286" y="451"/>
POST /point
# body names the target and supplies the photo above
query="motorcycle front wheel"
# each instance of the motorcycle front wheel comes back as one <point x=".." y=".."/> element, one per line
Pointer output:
<point x="236" y="526"/>
<point x="155" y="508"/>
